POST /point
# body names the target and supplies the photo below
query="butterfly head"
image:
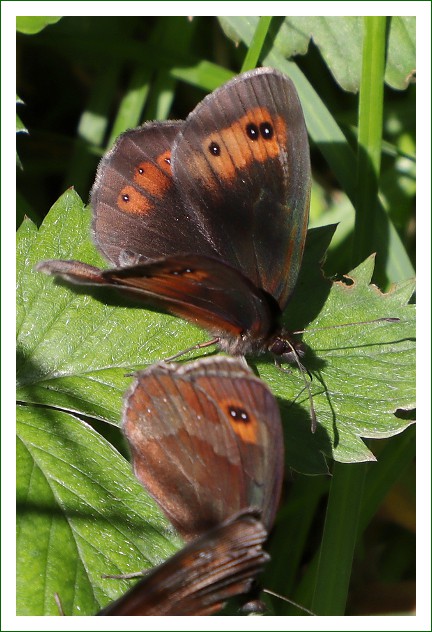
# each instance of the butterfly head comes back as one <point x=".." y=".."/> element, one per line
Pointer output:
<point x="285" y="349"/>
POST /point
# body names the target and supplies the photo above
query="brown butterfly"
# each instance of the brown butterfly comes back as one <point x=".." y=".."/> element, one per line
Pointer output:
<point x="206" y="442"/>
<point x="206" y="218"/>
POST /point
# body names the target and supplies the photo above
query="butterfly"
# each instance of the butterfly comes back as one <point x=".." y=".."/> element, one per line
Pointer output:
<point x="206" y="218"/>
<point x="206" y="442"/>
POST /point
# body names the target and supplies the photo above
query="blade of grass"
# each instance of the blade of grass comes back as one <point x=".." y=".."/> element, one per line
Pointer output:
<point x="371" y="103"/>
<point x="158" y="107"/>
<point x="202" y="74"/>
<point x="339" y="537"/>
<point x="172" y="33"/>
<point x="291" y="538"/>
<point x="257" y="43"/>
<point x="346" y="490"/>
<point x="92" y="128"/>
<point x="132" y="104"/>
<point x="168" y="32"/>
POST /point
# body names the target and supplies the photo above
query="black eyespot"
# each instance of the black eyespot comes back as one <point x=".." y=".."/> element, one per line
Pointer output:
<point x="238" y="414"/>
<point x="214" y="149"/>
<point x="140" y="171"/>
<point x="168" y="160"/>
<point x="252" y="131"/>
<point x="266" y="130"/>
<point x="125" y="197"/>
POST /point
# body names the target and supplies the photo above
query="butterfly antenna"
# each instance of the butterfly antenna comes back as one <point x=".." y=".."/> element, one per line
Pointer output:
<point x="293" y="603"/>
<point x="360" y="322"/>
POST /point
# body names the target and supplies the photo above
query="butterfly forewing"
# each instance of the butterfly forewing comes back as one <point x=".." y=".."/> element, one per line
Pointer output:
<point x="241" y="161"/>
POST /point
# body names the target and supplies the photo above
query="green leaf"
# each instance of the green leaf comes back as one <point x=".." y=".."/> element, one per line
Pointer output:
<point x="401" y="52"/>
<point x="339" y="40"/>
<point x="80" y="513"/>
<point x="75" y="347"/>
<point x="368" y="369"/>
<point x="34" y="23"/>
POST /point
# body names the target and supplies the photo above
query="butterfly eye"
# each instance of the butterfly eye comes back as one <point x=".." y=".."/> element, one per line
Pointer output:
<point x="266" y="130"/>
<point x="214" y="149"/>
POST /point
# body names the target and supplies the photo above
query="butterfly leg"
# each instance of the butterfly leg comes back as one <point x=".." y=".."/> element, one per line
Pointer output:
<point x="307" y="384"/>
<point x="200" y="345"/>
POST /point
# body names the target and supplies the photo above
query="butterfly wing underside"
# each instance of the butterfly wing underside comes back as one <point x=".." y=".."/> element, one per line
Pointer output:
<point x="241" y="162"/>
<point x="199" y="579"/>
<point x="206" y="442"/>
<point x="137" y="212"/>
<point x="201" y="289"/>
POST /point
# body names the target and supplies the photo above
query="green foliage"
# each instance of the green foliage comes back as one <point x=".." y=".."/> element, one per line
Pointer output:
<point x="34" y="23"/>
<point x="330" y="35"/>
<point x="75" y="348"/>
<point x="78" y="502"/>
<point x="81" y="513"/>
